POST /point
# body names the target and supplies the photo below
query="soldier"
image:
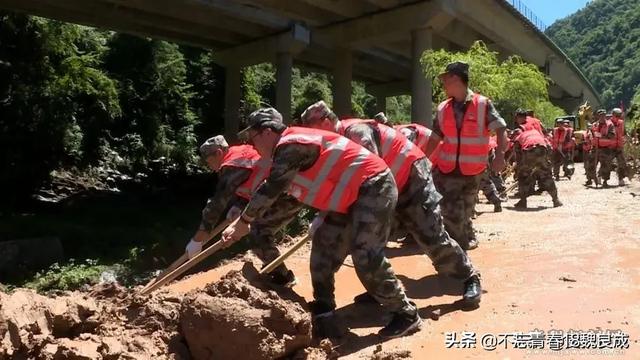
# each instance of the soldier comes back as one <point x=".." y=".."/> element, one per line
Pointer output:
<point x="605" y="135"/>
<point x="418" y="209"/>
<point x="533" y="162"/>
<point x="621" y="162"/>
<point x="419" y="135"/>
<point x="525" y="122"/>
<point x="240" y="170"/>
<point x="561" y="145"/>
<point x="489" y="188"/>
<point x="357" y="194"/>
<point x="590" y="161"/>
<point x="464" y="123"/>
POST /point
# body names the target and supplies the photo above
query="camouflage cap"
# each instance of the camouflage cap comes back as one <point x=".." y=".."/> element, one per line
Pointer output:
<point x="213" y="144"/>
<point x="262" y="117"/>
<point x="381" y="118"/>
<point x="616" y="111"/>
<point x="521" y="112"/>
<point x="316" y="112"/>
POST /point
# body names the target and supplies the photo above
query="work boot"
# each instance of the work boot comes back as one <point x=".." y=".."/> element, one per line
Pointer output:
<point x="323" y="321"/>
<point x="287" y="280"/>
<point x="557" y="177"/>
<point x="504" y="197"/>
<point x="597" y="181"/>
<point x="604" y="184"/>
<point x="522" y="204"/>
<point x="589" y="182"/>
<point x="472" y="291"/>
<point x="402" y="324"/>
<point x="364" y="298"/>
<point x="621" y="182"/>
<point x="497" y="206"/>
<point x="556" y="203"/>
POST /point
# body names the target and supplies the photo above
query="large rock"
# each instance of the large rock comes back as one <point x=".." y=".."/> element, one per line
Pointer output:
<point x="239" y="318"/>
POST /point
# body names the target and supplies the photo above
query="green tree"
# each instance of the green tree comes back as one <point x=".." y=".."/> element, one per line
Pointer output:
<point x="510" y="84"/>
<point x="603" y="38"/>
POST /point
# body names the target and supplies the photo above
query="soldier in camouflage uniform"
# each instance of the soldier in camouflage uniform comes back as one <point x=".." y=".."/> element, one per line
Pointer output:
<point x="226" y="201"/>
<point x="418" y="209"/>
<point x="590" y="161"/>
<point x="488" y="186"/>
<point x="532" y="157"/>
<point x="606" y="141"/>
<point x="362" y="231"/>
<point x="459" y="190"/>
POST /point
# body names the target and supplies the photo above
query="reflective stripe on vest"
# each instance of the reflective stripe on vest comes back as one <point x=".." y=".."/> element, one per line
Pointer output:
<point x="468" y="147"/>
<point x="603" y="142"/>
<point x="395" y="149"/>
<point x="333" y="181"/>
<point x="423" y="134"/>
<point x="246" y="157"/>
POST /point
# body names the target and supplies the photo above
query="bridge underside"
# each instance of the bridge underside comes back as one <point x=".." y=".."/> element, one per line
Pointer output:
<point x="378" y="42"/>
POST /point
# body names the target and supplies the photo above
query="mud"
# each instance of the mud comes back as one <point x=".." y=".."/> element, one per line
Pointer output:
<point x="239" y="317"/>
<point x="235" y="317"/>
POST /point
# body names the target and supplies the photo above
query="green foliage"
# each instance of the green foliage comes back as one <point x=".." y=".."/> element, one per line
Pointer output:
<point x="603" y="39"/>
<point x="399" y="109"/>
<point x="633" y="114"/>
<point x="70" y="276"/>
<point x="510" y="84"/>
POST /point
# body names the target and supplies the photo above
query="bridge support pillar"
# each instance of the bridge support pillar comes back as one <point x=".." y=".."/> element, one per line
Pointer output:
<point x="342" y="75"/>
<point x="232" y="90"/>
<point x="381" y="102"/>
<point x="421" y="98"/>
<point x="284" y="65"/>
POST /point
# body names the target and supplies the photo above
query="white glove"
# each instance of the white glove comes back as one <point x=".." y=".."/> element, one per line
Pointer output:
<point x="315" y="224"/>
<point x="234" y="213"/>
<point x="193" y="248"/>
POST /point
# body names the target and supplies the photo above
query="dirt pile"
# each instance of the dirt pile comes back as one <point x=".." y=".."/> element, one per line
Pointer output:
<point x="238" y="317"/>
<point x="108" y="322"/>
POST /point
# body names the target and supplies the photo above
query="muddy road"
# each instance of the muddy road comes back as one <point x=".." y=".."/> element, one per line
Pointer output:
<point x="573" y="268"/>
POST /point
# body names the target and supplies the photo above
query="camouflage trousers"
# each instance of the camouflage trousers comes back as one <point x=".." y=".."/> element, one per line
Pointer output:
<point x="534" y="165"/>
<point x="362" y="232"/>
<point x="489" y="188"/>
<point x="605" y="158"/>
<point x="561" y="159"/>
<point x="621" y="164"/>
<point x="263" y="233"/>
<point x="590" y="165"/>
<point x="418" y="212"/>
<point x="458" y="202"/>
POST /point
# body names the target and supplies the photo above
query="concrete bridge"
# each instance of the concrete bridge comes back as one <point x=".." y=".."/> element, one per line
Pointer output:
<point x="378" y="42"/>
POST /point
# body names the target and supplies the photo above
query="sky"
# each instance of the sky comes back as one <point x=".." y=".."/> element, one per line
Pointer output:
<point x="551" y="10"/>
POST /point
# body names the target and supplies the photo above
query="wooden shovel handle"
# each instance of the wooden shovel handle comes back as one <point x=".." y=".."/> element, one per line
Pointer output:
<point x="280" y="259"/>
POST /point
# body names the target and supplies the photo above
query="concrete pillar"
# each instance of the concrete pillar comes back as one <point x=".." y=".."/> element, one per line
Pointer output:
<point x="381" y="103"/>
<point x="421" y="103"/>
<point x="342" y="74"/>
<point x="284" y="68"/>
<point x="232" y="94"/>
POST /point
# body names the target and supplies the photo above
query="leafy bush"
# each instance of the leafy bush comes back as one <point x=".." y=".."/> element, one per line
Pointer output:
<point x="70" y="276"/>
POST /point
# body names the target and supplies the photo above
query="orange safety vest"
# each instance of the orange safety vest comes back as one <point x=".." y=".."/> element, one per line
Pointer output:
<point x="619" y="124"/>
<point x="395" y="149"/>
<point x="469" y="147"/>
<point x="530" y="139"/>
<point x="333" y="182"/>
<point x="603" y="129"/>
<point x="532" y="123"/>
<point x="246" y="157"/>
<point x="422" y="134"/>
<point x="560" y="134"/>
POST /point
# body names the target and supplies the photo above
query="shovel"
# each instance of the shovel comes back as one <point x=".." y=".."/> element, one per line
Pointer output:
<point x="183" y="263"/>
